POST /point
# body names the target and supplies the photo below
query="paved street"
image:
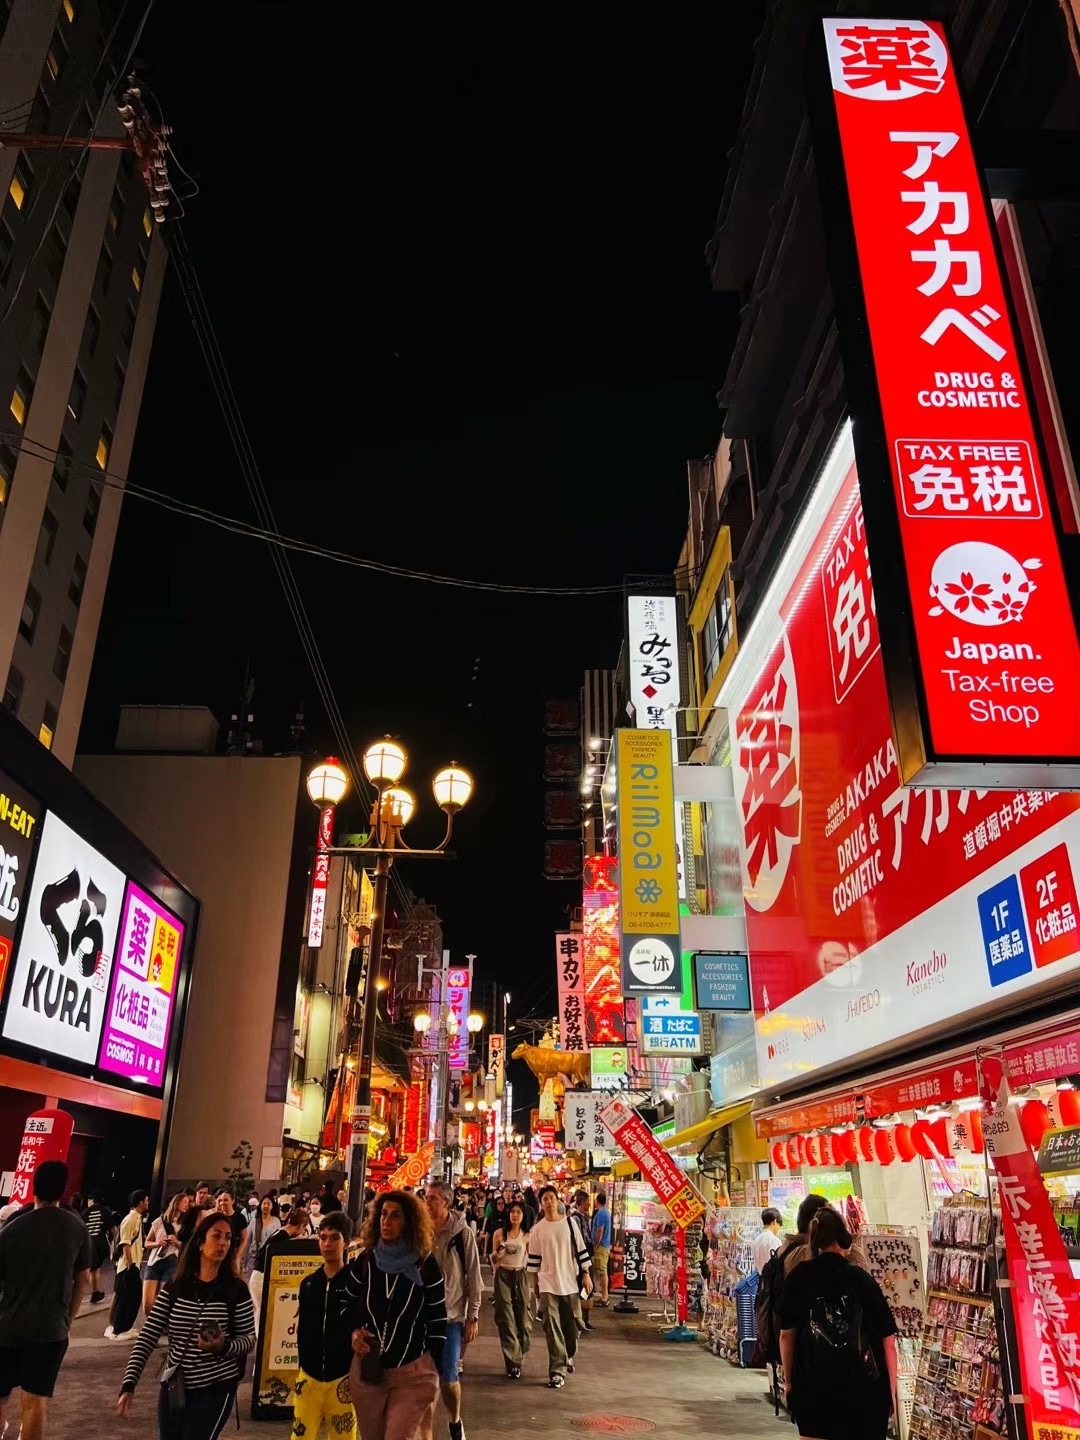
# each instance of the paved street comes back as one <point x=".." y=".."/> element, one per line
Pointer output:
<point x="625" y="1369"/>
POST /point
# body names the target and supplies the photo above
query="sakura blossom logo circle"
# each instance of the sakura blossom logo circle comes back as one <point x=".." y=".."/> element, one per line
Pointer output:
<point x="765" y="773"/>
<point x="981" y="584"/>
<point x="883" y="60"/>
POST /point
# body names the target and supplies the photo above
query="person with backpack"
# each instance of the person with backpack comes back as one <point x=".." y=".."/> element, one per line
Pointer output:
<point x="459" y="1260"/>
<point x="128" y="1255"/>
<point x="582" y="1223"/>
<point x="768" y="1242"/>
<point x="837" y="1341"/>
<point x="561" y="1265"/>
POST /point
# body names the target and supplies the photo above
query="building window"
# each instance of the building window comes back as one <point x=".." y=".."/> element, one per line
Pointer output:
<point x="128" y="332"/>
<point x="69" y="11"/>
<point x="104" y="445"/>
<point x="39" y="328"/>
<point x="47" y="729"/>
<point x="77" y="397"/>
<point x="93" y="330"/>
<point x="7" y="244"/>
<point x="46" y="538"/>
<point x="22" y="395"/>
<point x="62" y="659"/>
<point x="55" y="252"/>
<point x="62" y="467"/>
<point x="105" y="269"/>
<point x="30" y="612"/>
<point x="716" y="636"/>
<point x="90" y="514"/>
<point x="13" y="691"/>
<point x="137" y="271"/>
<point x="21" y="182"/>
<point x="78" y="581"/>
<point x="40" y="112"/>
<point x="148" y="222"/>
<point x="116" y="212"/>
<point x="73" y="189"/>
<point x="8" y="460"/>
<point x="56" y="55"/>
<point x="119" y="376"/>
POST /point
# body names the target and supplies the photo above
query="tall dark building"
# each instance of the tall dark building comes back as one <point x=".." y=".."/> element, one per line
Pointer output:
<point x="81" y="271"/>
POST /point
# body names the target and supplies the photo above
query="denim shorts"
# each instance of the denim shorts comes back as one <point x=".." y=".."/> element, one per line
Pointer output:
<point x="455" y="1343"/>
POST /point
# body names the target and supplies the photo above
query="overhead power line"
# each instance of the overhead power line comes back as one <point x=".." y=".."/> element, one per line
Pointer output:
<point x="246" y="530"/>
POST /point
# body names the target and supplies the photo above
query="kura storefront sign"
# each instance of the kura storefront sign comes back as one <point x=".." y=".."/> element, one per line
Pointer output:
<point x="979" y="635"/>
<point x="874" y="911"/>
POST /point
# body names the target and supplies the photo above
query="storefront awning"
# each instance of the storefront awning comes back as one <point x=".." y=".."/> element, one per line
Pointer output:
<point x="693" y="1135"/>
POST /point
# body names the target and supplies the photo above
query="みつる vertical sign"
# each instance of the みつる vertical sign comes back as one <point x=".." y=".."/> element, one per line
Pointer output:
<point x="942" y="412"/>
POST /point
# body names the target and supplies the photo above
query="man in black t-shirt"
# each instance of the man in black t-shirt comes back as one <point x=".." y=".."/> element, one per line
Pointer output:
<point x="238" y="1221"/>
<point x="44" y="1273"/>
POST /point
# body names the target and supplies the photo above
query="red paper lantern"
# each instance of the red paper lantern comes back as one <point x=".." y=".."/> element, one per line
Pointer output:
<point x="866" y="1142"/>
<point x="905" y="1146"/>
<point x="803" y="1142"/>
<point x="836" y="1149"/>
<point x="1068" y="1106"/>
<point x="920" y="1139"/>
<point x="1035" y="1121"/>
<point x="793" y="1152"/>
<point x="883" y="1147"/>
<point x="975" y="1128"/>
<point x="939" y="1137"/>
<point x="850" y="1146"/>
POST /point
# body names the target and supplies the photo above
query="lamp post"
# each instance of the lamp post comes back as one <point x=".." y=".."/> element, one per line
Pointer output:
<point x="326" y="785"/>
<point x="384" y="764"/>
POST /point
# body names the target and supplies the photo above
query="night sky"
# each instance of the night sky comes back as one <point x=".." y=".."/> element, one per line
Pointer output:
<point x="458" y="278"/>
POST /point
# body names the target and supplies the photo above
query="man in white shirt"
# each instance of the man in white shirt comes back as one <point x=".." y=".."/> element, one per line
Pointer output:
<point x="769" y="1240"/>
<point x="127" y="1299"/>
<point x="561" y="1265"/>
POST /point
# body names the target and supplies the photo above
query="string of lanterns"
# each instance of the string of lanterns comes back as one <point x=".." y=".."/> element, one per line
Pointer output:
<point x="925" y="1139"/>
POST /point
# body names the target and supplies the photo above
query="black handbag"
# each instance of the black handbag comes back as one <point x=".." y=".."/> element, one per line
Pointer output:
<point x="173" y="1382"/>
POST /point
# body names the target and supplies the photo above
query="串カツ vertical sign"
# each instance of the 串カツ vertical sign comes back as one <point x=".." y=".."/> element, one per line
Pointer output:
<point x="997" y="683"/>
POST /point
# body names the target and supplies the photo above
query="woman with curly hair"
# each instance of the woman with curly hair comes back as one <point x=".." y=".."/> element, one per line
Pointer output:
<point x="395" y="1305"/>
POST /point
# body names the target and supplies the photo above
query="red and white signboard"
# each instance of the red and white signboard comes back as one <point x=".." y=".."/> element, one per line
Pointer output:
<point x="570" y="974"/>
<point x="870" y="907"/>
<point x="458" y="987"/>
<point x="46" y="1136"/>
<point x="414" y="1169"/>
<point x="996" y="639"/>
<point x="320" y="878"/>
<point x="637" y="1141"/>
<point x="1046" y="1303"/>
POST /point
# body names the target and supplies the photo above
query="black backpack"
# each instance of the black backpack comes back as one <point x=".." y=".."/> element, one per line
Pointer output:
<point x="832" y="1343"/>
<point x="767" y="1304"/>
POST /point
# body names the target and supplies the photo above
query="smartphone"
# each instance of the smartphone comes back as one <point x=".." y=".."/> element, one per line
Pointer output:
<point x="210" y="1332"/>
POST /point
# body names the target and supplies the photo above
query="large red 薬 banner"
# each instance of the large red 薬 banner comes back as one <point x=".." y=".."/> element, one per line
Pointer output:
<point x="998" y="652"/>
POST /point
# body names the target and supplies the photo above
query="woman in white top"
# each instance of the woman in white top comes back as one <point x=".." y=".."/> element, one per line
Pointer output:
<point x="163" y="1248"/>
<point x="509" y="1257"/>
<point x="264" y="1223"/>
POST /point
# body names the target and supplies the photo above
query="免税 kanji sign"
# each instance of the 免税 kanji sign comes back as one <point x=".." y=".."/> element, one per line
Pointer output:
<point x="980" y="607"/>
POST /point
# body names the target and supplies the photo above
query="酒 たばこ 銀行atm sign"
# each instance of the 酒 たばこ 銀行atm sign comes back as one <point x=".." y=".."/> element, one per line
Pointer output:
<point x="979" y="635"/>
<point x="874" y="911"/>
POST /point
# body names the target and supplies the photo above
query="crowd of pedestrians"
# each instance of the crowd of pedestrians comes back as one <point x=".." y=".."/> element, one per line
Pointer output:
<point x="383" y="1325"/>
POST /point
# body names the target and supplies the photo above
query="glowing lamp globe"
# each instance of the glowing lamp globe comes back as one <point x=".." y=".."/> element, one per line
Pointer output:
<point x="422" y="1022"/>
<point x="327" y="783"/>
<point x="400" y="803"/>
<point x="384" y="763"/>
<point x="452" y="788"/>
<point x="475" y="1023"/>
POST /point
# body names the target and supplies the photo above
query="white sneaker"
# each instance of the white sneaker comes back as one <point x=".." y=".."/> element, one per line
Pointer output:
<point x="110" y="1333"/>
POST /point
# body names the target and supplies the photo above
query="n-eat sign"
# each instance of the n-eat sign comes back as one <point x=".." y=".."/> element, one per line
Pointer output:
<point x="978" y="634"/>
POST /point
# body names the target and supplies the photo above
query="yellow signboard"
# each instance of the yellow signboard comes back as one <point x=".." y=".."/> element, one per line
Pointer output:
<point x="276" y="1360"/>
<point x="648" y="863"/>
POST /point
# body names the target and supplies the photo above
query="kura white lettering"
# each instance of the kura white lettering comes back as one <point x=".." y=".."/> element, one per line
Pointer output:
<point x="54" y="995"/>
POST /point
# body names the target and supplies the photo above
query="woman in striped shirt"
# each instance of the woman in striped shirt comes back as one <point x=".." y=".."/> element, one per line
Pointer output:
<point x="395" y="1304"/>
<point x="208" y="1313"/>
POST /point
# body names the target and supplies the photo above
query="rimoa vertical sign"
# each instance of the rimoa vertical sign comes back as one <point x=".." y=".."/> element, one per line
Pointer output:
<point x="978" y="634"/>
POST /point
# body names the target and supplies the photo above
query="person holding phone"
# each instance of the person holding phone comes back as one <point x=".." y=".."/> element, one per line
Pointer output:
<point x="394" y="1303"/>
<point x="207" y="1311"/>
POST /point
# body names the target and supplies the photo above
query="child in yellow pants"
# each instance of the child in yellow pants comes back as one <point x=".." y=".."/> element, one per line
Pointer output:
<point x="323" y="1402"/>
